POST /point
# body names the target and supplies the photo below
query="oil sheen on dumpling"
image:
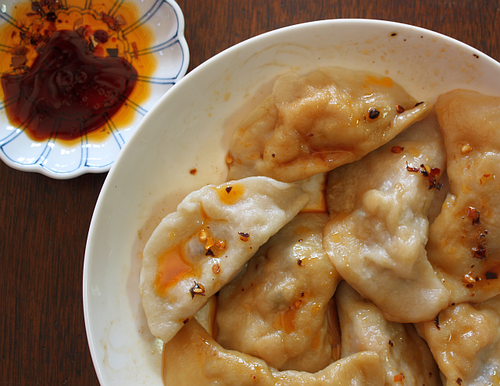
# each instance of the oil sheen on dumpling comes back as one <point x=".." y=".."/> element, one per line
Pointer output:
<point x="205" y="243"/>
<point x="277" y="308"/>
<point x="193" y="357"/>
<point x="379" y="226"/>
<point x="311" y="124"/>
<point x="464" y="240"/>
<point x="405" y="356"/>
<point x="465" y="341"/>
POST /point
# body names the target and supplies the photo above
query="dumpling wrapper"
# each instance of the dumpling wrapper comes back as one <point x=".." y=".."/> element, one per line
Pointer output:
<point x="465" y="341"/>
<point x="379" y="224"/>
<point x="405" y="356"/>
<point x="277" y="308"/>
<point x="464" y="240"/>
<point x="205" y="243"/>
<point x="314" y="123"/>
<point x="193" y="357"/>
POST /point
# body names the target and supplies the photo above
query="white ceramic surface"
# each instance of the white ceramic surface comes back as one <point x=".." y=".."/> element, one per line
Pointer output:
<point x="190" y="129"/>
<point x="65" y="159"/>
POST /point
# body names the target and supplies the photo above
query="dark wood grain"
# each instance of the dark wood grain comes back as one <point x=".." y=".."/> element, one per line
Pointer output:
<point x="44" y="222"/>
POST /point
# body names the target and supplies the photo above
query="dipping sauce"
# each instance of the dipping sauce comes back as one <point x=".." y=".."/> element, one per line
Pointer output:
<point x="70" y="73"/>
<point x="68" y="90"/>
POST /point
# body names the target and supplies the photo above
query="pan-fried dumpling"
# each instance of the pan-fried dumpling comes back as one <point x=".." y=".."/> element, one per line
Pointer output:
<point x="464" y="240"/>
<point x="277" y="308"/>
<point x="465" y="341"/>
<point x="311" y="124"/>
<point x="379" y="224"/>
<point x="193" y="357"/>
<point x="405" y="356"/>
<point x="205" y="243"/>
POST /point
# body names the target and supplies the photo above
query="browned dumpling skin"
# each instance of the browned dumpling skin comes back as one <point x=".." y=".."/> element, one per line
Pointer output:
<point x="311" y="124"/>
<point x="379" y="224"/>
<point x="193" y="357"/>
<point x="277" y="308"/>
<point x="465" y="340"/>
<point x="464" y="240"/>
<point x="405" y="356"/>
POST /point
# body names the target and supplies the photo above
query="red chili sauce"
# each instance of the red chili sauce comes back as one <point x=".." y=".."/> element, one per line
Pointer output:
<point x="68" y="90"/>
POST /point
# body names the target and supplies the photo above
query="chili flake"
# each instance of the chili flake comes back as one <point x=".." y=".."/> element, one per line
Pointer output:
<point x="429" y="173"/>
<point x="473" y="213"/>
<point x="244" y="236"/>
<point x="197" y="289"/>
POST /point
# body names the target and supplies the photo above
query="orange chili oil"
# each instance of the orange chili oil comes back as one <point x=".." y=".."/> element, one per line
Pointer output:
<point x="69" y="75"/>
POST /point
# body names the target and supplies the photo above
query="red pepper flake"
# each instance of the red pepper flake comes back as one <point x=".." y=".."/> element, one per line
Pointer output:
<point x="412" y="169"/>
<point x="114" y="23"/>
<point x="479" y="252"/>
<point x="397" y="149"/>
<point x="459" y="381"/>
<point x="228" y="189"/>
<point x="299" y="263"/>
<point x="399" y="377"/>
<point x="400" y="109"/>
<point x="391" y="343"/>
<point x="197" y="289"/>
<point x="18" y="61"/>
<point x="244" y="236"/>
<point x="216" y="269"/>
<point x="51" y="16"/>
<point x="473" y="213"/>
<point x="193" y="171"/>
<point x="429" y="173"/>
<point x="136" y="51"/>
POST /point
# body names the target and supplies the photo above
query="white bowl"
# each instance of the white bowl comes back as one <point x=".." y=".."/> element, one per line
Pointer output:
<point x="88" y="154"/>
<point x="190" y="129"/>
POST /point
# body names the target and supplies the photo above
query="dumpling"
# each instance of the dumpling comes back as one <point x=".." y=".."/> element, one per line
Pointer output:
<point x="465" y="341"/>
<point x="315" y="187"/>
<point x="311" y="124"/>
<point x="464" y="240"/>
<point x="379" y="224"/>
<point x="193" y="357"/>
<point x="205" y="243"/>
<point x="405" y="356"/>
<point x="277" y="308"/>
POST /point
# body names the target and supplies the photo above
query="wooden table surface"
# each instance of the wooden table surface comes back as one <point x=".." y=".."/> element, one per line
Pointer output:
<point x="44" y="222"/>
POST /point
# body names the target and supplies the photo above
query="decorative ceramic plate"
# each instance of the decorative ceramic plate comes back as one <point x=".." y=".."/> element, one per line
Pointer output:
<point x="44" y="126"/>
<point x="159" y="167"/>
